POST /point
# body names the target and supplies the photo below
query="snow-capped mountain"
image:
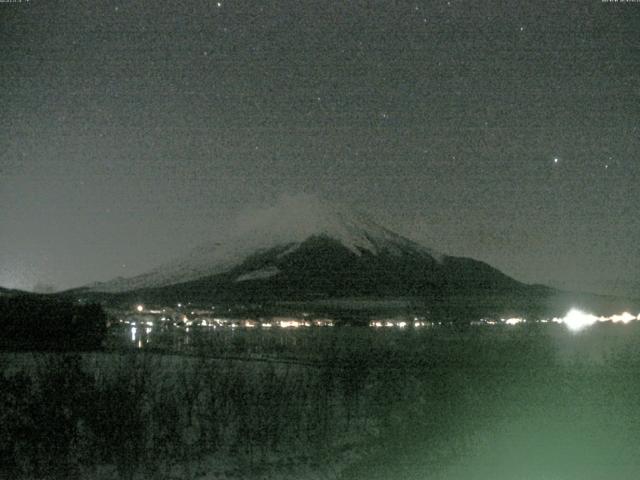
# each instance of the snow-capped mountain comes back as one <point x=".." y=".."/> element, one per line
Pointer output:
<point x="303" y="248"/>
<point x="292" y="221"/>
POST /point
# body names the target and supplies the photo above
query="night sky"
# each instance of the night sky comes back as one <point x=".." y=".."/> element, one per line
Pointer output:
<point x="504" y="131"/>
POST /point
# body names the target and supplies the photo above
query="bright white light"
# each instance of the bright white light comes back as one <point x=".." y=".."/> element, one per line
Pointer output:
<point x="133" y="333"/>
<point x="576" y="320"/>
<point x="625" y="317"/>
<point x="513" y="321"/>
<point x="289" y="323"/>
<point x="140" y="308"/>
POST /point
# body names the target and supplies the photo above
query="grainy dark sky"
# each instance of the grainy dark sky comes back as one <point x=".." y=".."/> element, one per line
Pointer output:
<point x="130" y="130"/>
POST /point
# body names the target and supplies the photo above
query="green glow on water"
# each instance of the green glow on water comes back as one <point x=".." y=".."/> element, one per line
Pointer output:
<point x="577" y="418"/>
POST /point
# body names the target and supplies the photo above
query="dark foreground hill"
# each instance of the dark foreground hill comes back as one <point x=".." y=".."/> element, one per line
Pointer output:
<point x="32" y="321"/>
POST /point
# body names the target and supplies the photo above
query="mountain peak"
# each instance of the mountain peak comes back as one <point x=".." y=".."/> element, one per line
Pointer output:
<point x="294" y="218"/>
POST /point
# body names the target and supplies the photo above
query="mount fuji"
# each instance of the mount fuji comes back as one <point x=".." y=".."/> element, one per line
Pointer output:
<point x="306" y="248"/>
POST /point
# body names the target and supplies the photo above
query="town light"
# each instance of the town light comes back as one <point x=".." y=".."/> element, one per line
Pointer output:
<point x="576" y="320"/>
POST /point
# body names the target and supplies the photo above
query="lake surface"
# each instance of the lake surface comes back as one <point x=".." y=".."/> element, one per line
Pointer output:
<point x="503" y="402"/>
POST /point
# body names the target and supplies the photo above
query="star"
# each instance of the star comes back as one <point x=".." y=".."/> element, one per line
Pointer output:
<point x="219" y="4"/>
<point x="555" y="160"/>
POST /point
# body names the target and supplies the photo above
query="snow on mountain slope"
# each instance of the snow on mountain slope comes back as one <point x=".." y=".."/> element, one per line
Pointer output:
<point x="289" y="222"/>
<point x="258" y="274"/>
